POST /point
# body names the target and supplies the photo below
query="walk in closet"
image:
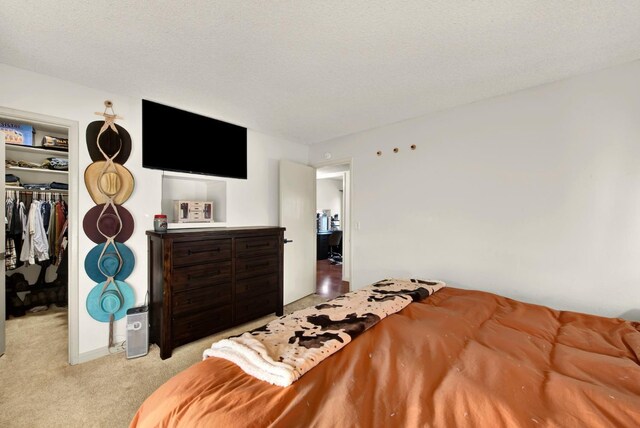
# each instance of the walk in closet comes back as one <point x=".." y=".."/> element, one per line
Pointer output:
<point x="36" y="217"/>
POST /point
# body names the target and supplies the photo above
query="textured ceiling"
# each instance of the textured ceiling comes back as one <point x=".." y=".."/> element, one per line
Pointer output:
<point x="314" y="70"/>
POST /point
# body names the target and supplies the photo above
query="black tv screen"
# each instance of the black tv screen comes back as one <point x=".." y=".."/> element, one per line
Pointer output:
<point x="196" y="144"/>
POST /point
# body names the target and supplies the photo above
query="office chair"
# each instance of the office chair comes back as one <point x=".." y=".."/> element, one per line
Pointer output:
<point x="334" y="241"/>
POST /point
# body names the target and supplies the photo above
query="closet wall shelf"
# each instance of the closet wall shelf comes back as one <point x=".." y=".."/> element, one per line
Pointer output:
<point x="38" y="150"/>
<point x="42" y="170"/>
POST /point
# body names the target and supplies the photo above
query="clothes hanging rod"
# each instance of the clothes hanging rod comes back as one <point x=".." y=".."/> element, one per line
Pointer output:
<point x="30" y="191"/>
<point x="23" y="190"/>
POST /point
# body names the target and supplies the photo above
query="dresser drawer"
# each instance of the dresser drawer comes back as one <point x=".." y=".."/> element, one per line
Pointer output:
<point x="196" y="252"/>
<point x="256" y="266"/>
<point x="191" y="327"/>
<point x="254" y="307"/>
<point x="259" y="245"/>
<point x="201" y="298"/>
<point x="257" y="285"/>
<point x="190" y="277"/>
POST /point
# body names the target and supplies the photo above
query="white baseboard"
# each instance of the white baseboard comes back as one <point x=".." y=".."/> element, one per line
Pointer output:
<point x="83" y="357"/>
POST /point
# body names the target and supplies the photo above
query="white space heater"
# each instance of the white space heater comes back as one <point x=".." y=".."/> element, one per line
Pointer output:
<point x="137" y="331"/>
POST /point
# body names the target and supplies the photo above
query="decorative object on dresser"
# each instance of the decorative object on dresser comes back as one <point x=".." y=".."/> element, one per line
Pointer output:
<point x="206" y="280"/>
<point x="193" y="211"/>
<point x="160" y="222"/>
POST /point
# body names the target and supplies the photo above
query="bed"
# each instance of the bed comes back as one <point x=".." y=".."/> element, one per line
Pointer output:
<point x="457" y="358"/>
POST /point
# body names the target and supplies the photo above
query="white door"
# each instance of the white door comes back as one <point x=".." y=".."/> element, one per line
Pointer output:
<point x="2" y="250"/>
<point x="298" y="216"/>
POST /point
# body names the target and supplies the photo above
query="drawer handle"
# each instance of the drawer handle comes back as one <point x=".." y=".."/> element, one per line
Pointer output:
<point x="257" y="265"/>
<point x="190" y="252"/>
<point x="258" y="285"/>
<point x="189" y="276"/>
<point x="263" y="244"/>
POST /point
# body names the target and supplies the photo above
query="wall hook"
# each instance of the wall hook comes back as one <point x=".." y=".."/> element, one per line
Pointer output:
<point x="108" y="104"/>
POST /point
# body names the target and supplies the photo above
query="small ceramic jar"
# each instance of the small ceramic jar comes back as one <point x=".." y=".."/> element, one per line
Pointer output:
<point x="160" y="223"/>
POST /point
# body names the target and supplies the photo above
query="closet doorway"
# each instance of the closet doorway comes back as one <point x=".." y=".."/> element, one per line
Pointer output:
<point x="39" y="282"/>
<point x="333" y="264"/>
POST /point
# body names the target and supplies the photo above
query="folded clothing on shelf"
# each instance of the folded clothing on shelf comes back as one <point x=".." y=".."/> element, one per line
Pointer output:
<point x="12" y="180"/>
<point x="46" y="186"/>
<point x="36" y="186"/>
<point x="50" y="142"/>
<point x="59" y="164"/>
<point x="58" y="186"/>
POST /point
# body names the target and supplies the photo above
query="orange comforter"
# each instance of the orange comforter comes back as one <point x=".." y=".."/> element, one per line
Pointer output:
<point x="460" y="358"/>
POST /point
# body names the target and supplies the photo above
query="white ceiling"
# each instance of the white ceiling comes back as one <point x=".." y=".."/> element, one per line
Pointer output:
<point x="314" y="70"/>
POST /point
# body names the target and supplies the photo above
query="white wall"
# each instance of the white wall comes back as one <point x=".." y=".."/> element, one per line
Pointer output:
<point x="254" y="201"/>
<point x="251" y="202"/>
<point x="329" y="196"/>
<point x="533" y="195"/>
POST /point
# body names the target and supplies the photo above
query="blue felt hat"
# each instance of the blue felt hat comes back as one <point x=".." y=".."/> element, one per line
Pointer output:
<point x="115" y="299"/>
<point x="109" y="262"/>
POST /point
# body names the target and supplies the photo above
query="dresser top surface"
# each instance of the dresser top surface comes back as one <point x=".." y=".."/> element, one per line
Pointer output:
<point x="216" y="230"/>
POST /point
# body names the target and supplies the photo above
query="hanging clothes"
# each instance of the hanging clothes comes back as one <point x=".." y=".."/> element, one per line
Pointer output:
<point x="33" y="235"/>
<point x="45" y="211"/>
<point x="13" y="230"/>
<point x="57" y="227"/>
<point x="61" y="244"/>
<point x="10" y="245"/>
<point x="50" y="226"/>
<point x="35" y="245"/>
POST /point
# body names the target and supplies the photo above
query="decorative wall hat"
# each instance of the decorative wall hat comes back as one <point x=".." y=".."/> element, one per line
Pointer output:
<point x="108" y="220"/>
<point x="109" y="259"/>
<point x="111" y="297"/>
<point x="108" y="181"/>
<point x="111" y="142"/>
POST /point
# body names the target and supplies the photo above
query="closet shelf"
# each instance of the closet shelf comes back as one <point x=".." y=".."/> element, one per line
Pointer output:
<point x="38" y="150"/>
<point x="41" y="170"/>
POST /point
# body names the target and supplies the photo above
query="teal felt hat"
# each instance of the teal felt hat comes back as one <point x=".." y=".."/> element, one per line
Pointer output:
<point x="115" y="299"/>
<point x="98" y="264"/>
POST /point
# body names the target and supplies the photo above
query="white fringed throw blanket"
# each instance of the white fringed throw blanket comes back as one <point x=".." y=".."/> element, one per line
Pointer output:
<point x="283" y="350"/>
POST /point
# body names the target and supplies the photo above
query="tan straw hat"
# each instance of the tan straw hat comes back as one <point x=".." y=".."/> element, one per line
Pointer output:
<point x="106" y="180"/>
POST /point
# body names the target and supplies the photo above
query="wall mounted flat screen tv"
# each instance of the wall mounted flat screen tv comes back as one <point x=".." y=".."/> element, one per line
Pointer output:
<point x="181" y="141"/>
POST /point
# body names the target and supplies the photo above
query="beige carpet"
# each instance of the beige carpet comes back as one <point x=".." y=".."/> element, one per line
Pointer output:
<point x="38" y="388"/>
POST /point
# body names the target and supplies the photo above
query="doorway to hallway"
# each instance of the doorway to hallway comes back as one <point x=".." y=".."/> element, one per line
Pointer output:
<point x="332" y="229"/>
<point x="329" y="283"/>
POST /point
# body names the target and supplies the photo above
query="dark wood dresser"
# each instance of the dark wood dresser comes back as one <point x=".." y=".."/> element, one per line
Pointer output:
<point x="205" y="280"/>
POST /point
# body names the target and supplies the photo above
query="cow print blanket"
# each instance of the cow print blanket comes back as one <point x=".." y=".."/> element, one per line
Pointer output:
<point x="283" y="350"/>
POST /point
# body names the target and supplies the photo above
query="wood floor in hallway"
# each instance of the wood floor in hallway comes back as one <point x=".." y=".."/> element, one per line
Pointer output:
<point x="329" y="281"/>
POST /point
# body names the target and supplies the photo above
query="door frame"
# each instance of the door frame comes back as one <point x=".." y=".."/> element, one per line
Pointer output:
<point x="73" y="216"/>
<point x="3" y="280"/>
<point x="348" y="199"/>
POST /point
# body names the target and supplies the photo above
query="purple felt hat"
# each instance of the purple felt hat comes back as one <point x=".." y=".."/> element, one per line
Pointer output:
<point x="107" y="222"/>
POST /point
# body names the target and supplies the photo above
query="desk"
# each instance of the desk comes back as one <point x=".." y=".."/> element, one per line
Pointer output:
<point x="322" y="249"/>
